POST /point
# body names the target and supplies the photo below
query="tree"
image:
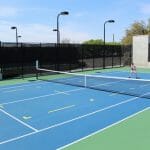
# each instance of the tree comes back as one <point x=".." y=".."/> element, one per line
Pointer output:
<point x="148" y="26"/>
<point x="100" y="42"/>
<point x="137" y="28"/>
<point x="94" y="42"/>
<point x="65" y="41"/>
<point x="113" y="43"/>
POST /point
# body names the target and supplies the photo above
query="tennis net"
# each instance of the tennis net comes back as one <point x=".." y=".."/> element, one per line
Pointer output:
<point x="127" y="86"/>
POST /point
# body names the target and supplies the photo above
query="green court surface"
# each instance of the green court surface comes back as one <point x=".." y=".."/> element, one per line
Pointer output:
<point x="131" y="134"/>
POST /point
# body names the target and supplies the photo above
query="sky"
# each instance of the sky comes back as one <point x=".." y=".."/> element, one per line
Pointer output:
<point x="36" y="19"/>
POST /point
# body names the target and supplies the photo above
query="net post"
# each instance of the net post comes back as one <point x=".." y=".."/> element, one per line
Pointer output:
<point x="37" y="64"/>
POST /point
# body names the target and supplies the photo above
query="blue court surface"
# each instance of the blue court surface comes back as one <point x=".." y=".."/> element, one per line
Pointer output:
<point x="44" y="115"/>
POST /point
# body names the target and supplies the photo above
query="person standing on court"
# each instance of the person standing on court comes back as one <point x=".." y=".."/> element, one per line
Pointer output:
<point x="133" y="70"/>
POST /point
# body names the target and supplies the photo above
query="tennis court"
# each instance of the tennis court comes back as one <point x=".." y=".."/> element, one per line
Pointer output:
<point x="57" y="113"/>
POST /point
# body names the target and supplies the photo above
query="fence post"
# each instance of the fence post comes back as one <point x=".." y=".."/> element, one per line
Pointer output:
<point x="120" y="56"/>
<point x="93" y="50"/>
<point x="1" y="74"/>
<point x="113" y="56"/>
<point x="22" y="62"/>
<point x="82" y="56"/>
<point x="71" y="49"/>
<point x="104" y="56"/>
<point x="0" y="65"/>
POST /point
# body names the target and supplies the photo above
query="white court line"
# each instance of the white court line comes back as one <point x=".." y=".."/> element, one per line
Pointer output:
<point x="26" y="85"/>
<point x="63" y="108"/>
<point x="114" y="72"/>
<point x="13" y="91"/>
<point x="107" y="83"/>
<point x="144" y="85"/>
<point x="101" y="130"/>
<point x="114" y="94"/>
<point x="69" y="121"/>
<point x="18" y="120"/>
<point x="61" y="92"/>
<point x="38" y="97"/>
<point x="42" y="96"/>
<point x="70" y="78"/>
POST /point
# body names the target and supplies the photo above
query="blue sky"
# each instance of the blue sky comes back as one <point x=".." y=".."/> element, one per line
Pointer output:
<point x="35" y="19"/>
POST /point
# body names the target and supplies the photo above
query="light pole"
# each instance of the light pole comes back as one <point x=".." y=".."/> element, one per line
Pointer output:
<point x="58" y="31"/>
<point x="15" y="28"/>
<point x="19" y="36"/>
<point x="113" y="38"/>
<point x="108" y="21"/>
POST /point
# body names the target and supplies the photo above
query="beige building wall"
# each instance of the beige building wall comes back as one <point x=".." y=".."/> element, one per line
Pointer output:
<point x="141" y="50"/>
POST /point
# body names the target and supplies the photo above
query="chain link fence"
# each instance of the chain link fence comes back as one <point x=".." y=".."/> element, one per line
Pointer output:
<point x="19" y="60"/>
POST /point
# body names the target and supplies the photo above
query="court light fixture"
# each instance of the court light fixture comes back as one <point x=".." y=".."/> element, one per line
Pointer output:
<point x="107" y="21"/>
<point x="58" y="31"/>
<point x="15" y="28"/>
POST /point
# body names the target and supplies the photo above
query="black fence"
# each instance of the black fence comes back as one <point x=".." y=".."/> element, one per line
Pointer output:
<point x="19" y="60"/>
